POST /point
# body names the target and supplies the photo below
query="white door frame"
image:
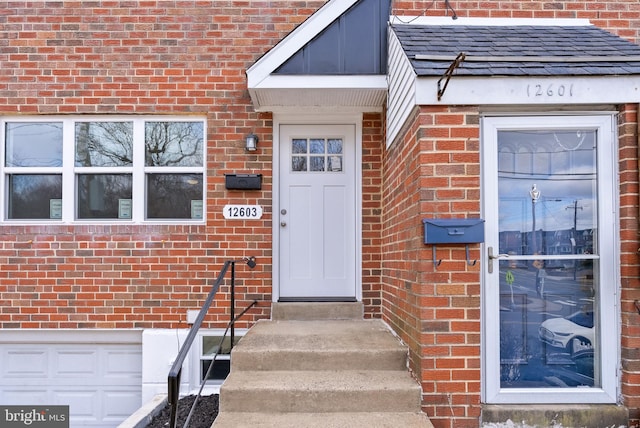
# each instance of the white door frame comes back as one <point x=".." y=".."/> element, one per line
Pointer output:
<point x="354" y="119"/>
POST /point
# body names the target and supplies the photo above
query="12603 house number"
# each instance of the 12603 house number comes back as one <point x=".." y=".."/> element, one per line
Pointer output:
<point x="549" y="90"/>
<point x="242" y="212"/>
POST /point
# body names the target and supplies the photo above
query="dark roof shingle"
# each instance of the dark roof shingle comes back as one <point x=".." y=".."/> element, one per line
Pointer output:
<point x="536" y="50"/>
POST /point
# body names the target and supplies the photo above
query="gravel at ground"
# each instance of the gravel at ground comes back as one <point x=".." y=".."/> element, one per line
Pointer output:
<point x="203" y="416"/>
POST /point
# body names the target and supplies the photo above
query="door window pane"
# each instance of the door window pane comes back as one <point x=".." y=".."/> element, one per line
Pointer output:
<point x="316" y="155"/>
<point x="317" y="163"/>
<point x="317" y="146"/>
<point x="104" y="144"/>
<point x="174" y="196"/>
<point x="104" y="196"/>
<point x="33" y="144"/>
<point x="548" y="219"/>
<point x="34" y="196"/>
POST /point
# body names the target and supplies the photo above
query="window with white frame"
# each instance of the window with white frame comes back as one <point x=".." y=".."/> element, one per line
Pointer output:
<point x="131" y="169"/>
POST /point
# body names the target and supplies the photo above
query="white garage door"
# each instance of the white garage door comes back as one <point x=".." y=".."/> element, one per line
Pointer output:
<point x="98" y="374"/>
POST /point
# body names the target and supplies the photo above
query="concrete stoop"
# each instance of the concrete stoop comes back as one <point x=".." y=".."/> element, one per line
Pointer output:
<point x="307" y="369"/>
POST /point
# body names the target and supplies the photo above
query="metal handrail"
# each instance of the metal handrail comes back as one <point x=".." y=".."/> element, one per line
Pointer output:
<point x="213" y="362"/>
<point x="176" y="369"/>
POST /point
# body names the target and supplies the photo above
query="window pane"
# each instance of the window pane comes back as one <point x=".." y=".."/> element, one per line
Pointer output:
<point x="174" y="196"/>
<point x="174" y="143"/>
<point x="547" y="325"/>
<point x="317" y="146"/>
<point x="104" y="196"/>
<point x="334" y="146"/>
<point x="298" y="163"/>
<point x="104" y="144"/>
<point x="299" y="146"/>
<point x="335" y="163"/>
<point x="554" y="218"/>
<point x="317" y="163"/>
<point x="33" y="144"/>
<point x="34" y="196"/>
<point x="220" y="370"/>
<point x="548" y="304"/>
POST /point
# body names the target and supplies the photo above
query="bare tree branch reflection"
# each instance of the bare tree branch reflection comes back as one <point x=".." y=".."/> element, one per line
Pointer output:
<point x="173" y="143"/>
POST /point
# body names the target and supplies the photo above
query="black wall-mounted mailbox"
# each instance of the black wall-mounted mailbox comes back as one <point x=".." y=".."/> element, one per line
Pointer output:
<point x="453" y="231"/>
<point x="243" y="181"/>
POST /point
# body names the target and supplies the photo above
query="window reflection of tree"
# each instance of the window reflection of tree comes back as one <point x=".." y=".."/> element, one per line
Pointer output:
<point x="30" y="195"/>
<point x="173" y="143"/>
<point x="99" y="194"/>
<point x="104" y="144"/>
<point x="170" y="195"/>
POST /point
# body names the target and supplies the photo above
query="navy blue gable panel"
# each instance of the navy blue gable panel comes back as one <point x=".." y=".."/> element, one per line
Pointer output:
<point x="363" y="50"/>
<point x="324" y="54"/>
<point x="355" y="43"/>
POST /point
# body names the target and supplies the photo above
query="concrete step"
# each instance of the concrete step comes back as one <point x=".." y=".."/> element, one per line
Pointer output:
<point x="309" y="311"/>
<point x="320" y="365"/>
<point x="322" y="420"/>
<point x="319" y="345"/>
<point x="320" y="391"/>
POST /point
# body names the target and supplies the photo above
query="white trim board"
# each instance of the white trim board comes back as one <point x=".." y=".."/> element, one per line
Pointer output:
<point x="530" y="90"/>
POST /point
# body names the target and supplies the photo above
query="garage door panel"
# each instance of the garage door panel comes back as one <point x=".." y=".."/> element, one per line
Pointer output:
<point x="119" y="404"/>
<point x="75" y="363"/>
<point x="83" y="404"/>
<point x="19" y="363"/>
<point x="23" y="396"/>
<point x="123" y="363"/>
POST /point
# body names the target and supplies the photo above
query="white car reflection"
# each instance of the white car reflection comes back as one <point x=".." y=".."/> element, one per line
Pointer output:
<point x="573" y="333"/>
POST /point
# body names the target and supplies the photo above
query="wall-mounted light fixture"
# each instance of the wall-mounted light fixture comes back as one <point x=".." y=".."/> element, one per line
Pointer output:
<point x="251" y="142"/>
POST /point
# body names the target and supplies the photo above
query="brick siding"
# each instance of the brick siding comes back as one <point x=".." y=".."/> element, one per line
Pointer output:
<point x="630" y="282"/>
<point x="142" y="57"/>
<point x="434" y="172"/>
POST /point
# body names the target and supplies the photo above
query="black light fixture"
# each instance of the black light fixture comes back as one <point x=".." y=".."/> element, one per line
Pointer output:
<point x="250" y="261"/>
<point x="251" y="142"/>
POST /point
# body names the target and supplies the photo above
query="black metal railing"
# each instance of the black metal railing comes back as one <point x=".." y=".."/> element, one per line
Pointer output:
<point x="176" y="369"/>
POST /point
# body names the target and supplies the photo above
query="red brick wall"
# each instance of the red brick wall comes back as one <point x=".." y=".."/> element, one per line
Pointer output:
<point x="372" y="149"/>
<point x="142" y="57"/>
<point x="434" y="172"/>
<point x="630" y="275"/>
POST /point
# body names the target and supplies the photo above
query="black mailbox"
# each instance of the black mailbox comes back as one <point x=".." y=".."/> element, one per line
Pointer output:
<point x="453" y="231"/>
<point x="243" y="181"/>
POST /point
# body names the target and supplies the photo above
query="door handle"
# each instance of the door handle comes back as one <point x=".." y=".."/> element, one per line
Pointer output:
<point x="493" y="257"/>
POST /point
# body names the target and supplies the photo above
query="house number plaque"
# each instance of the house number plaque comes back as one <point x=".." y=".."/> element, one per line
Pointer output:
<point x="242" y="212"/>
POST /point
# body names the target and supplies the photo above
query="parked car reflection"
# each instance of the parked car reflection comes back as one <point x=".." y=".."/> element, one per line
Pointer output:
<point x="573" y="333"/>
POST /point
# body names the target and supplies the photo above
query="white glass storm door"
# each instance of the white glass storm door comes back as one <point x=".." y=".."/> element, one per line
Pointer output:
<point x="550" y="277"/>
<point x="317" y="212"/>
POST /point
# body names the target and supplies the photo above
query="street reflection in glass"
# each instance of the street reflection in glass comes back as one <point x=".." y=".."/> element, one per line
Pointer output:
<point x="548" y="218"/>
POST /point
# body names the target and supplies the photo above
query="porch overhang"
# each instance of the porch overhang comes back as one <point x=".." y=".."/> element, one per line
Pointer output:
<point x="281" y="92"/>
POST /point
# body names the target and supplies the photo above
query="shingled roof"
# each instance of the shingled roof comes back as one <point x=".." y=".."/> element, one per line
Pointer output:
<point x="518" y="50"/>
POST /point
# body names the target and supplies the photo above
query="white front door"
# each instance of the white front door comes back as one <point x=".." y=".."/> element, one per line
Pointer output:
<point x="317" y="212"/>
